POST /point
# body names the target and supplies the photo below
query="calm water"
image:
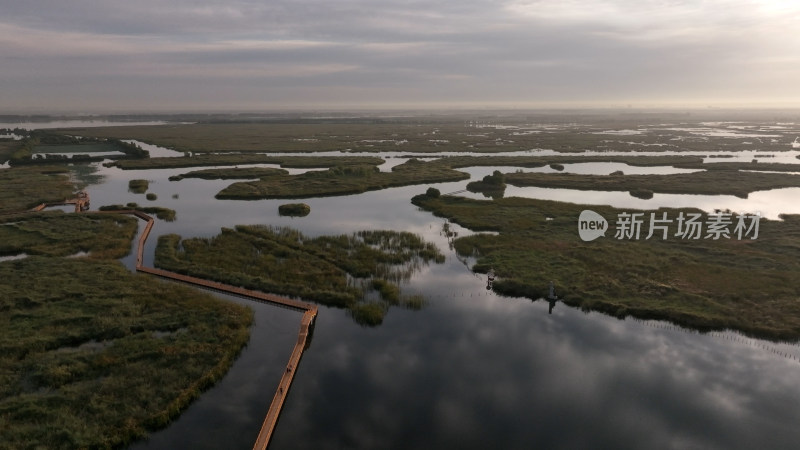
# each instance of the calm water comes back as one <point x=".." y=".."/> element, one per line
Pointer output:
<point x="473" y="369"/>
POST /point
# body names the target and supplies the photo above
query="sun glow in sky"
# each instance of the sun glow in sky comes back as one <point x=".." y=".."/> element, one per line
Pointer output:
<point x="81" y="55"/>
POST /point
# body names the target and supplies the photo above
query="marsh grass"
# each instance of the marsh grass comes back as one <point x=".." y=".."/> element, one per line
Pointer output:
<point x="563" y="133"/>
<point x="138" y="186"/>
<point x="7" y="148"/>
<point x="234" y="159"/>
<point x="88" y="147"/>
<point x="230" y="173"/>
<point x="712" y="182"/>
<point x="341" y="180"/>
<point x="90" y="356"/>
<point x="325" y="269"/>
<point x="165" y="214"/>
<point x="294" y="209"/>
<point x="102" y="236"/>
<point x="492" y="186"/>
<point x="23" y="188"/>
<point x="747" y="285"/>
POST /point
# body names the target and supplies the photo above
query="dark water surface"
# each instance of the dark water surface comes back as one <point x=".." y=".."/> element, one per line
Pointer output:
<point x="471" y="369"/>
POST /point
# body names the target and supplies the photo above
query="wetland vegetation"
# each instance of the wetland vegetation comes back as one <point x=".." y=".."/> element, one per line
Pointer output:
<point x="712" y="182"/>
<point x="91" y="355"/>
<point x="113" y="356"/>
<point x="746" y="285"/>
<point x="138" y="186"/>
<point x="302" y="162"/>
<point x="333" y="270"/>
<point x="23" y="188"/>
<point x="492" y="185"/>
<point x="116" y="354"/>
<point x="456" y="133"/>
<point x="341" y="180"/>
<point x="99" y="236"/>
<point x="294" y="209"/>
<point x="164" y="214"/>
<point x="230" y="173"/>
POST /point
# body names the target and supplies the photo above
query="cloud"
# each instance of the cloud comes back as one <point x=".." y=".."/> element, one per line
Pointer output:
<point x="461" y="52"/>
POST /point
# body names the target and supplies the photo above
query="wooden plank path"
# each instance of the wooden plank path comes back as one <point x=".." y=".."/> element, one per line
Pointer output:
<point x="81" y="203"/>
<point x="309" y="314"/>
<point x="286" y="381"/>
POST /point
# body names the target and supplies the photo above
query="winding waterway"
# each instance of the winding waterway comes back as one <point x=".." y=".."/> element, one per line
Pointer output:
<point x="472" y="369"/>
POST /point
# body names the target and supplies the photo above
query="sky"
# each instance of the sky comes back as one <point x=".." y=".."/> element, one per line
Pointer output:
<point x="248" y="55"/>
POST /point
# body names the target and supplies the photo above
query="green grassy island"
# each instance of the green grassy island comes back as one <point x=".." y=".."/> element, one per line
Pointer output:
<point x="234" y="159"/>
<point x="230" y="173"/>
<point x="333" y="270"/>
<point x="746" y="285"/>
<point x="294" y="209"/>
<point x="341" y="180"/>
<point x="138" y="186"/>
<point x="712" y="182"/>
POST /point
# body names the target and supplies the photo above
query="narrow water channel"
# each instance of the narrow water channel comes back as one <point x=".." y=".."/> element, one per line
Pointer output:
<point x="471" y="369"/>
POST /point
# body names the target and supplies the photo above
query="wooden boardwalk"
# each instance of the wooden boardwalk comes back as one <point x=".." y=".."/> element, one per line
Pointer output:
<point x="309" y="314"/>
<point x="81" y="202"/>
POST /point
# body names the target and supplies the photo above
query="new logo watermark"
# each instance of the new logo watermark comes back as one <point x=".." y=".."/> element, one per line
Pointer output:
<point x="591" y="225"/>
<point x="630" y="226"/>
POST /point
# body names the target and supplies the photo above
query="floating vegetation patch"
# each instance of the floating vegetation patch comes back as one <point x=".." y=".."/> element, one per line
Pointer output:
<point x="491" y="186"/>
<point x="294" y="209"/>
<point x="341" y="271"/>
<point x="138" y="186"/>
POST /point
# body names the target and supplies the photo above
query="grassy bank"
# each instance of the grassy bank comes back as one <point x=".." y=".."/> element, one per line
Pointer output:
<point x="88" y="147"/>
<point x="201" y="160"/>
<point x="92" y="356"/>
<point x="165" y="214"/>
<point x="456" y="162"/>
<point x="771" y="167"/>
<point x="747" y="285"/>
<point x="23" y="188"/>
<point x="7" y="148"/>
<point x="333" y="270"/>
<point x="341" y="181"/>
<point x="101" y="236"/>
<point x="230" y="174"/>
<point x="713" y="182"/>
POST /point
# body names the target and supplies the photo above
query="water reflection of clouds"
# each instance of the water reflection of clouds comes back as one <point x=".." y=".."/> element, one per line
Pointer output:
<point x="472" y="369"/>
<point x="514" y="376"/>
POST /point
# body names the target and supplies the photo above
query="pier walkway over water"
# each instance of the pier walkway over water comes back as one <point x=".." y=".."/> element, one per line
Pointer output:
<point x="81" y="203"/>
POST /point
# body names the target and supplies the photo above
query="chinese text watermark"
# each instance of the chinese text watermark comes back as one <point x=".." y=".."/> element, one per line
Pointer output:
<point x="641" y="225"/>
